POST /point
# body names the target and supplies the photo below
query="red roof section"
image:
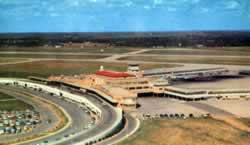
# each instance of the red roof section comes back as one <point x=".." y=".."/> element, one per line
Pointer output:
<point x="113" y="74"/>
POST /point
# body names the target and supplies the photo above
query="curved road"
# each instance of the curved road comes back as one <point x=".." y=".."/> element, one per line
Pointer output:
<point x="78" y="131"/>
<point x="131" y="126"/>
<point x="44" y="112"/>
<point x="79" y="118"/>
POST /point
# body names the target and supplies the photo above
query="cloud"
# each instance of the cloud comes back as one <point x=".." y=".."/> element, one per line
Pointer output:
<point x="54" y="14"/>
<point x="158" y="2"/>
<point x="147" y="7"/>
<point x="171" y="9"/>
<point x="37" y="14"/>
<point x="75" y="3"/>
<point x="176" y="3"/>
<point x="232" y="4"/>
<point x="80" y="3"/>
<point x="128" y="3"/>
<point x="94" y="1"/>
<point x="27" y="7"/>
<point x="71" y="7"/>
<point x="204" y="10"/>
<point x="195" y="1"/>
<point x="12" y="2"/>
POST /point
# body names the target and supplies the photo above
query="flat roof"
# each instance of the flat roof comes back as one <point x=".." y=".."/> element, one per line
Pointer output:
<point x="92" y="89"/>
<point x="114" y="74"/>
<point x="117" y="92"/>
<point x="180" y="70"/>
<point x="233" y="83"/>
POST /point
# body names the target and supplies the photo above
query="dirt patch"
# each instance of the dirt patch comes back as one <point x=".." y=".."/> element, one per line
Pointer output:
<point x="233" y="122"/>
<point x="188" y="132"/>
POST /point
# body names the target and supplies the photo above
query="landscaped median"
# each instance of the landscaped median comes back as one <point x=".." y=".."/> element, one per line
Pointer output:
<point x="63" y="122"/>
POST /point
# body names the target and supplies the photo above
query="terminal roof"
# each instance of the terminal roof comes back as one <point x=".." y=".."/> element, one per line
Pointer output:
<point x="114" y="74"/>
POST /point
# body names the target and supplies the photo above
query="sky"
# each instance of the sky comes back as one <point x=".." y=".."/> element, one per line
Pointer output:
<point x="123" y="15"/>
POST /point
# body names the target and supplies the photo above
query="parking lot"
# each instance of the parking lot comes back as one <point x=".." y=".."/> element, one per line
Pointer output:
<point x="240" y="108"/>
<point x="45" y="113"/>
<point x="157" y="107"/>
<point x="81" y="119"/>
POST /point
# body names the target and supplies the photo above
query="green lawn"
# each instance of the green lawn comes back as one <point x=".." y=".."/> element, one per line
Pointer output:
<point x="190" y="59"/>
<point x="47" y="68"/>
<point x="5" y="60"/>
<point x="187" y="132"/>
<point x="53" y="56"/>
<point x="9" y="105"/>
<point x="208" y="51"/>
<point x="4" y="96"/>
<point x="14" y="105"/>
<point x="71" y="49"/>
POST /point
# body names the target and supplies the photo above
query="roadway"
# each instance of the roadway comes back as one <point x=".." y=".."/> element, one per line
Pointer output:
<point x="131" y="126"/>
<point x="78" y="117"/>
<point x="45" y="113"/>
<point x="108" y="118"/>
<point x="78" y="131"/>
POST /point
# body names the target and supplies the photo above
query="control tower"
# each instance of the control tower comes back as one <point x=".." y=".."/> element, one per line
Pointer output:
<point x="133" y="69"/>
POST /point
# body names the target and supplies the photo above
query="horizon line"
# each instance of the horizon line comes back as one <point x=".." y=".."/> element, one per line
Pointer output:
<point x="175" y="31"/>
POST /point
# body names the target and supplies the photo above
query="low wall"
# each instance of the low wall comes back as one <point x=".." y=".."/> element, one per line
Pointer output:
<point x="62" y="93"/>
<point x="106" y="133"/>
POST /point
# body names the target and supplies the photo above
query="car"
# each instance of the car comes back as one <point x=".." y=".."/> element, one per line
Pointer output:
<point x="66" y="135"/>
<point x="46" y="141"/>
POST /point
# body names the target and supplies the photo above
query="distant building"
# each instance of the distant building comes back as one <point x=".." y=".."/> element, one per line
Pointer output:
<point x="1" y="130"/>
<point x="122" y="87"/>
<point x="58" y="46"/>
<point x="133" y="68"/>
<point x="186" y="73"/>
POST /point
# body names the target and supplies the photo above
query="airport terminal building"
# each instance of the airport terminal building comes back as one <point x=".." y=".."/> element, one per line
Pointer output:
<point x="123" y="88"/>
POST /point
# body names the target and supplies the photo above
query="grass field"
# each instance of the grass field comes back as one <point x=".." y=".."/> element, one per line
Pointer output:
<point x="211" y="51"/>
<point x="190" y="59"/>
<point x="53" y="56"/>
<point x="4" y="96"/>
<point x="47" y="68"/>
<point x="5" y="60"/>
<point x="70" y="49"/>
<point x="14" y="105"/>
<point x="187" y="132"/>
